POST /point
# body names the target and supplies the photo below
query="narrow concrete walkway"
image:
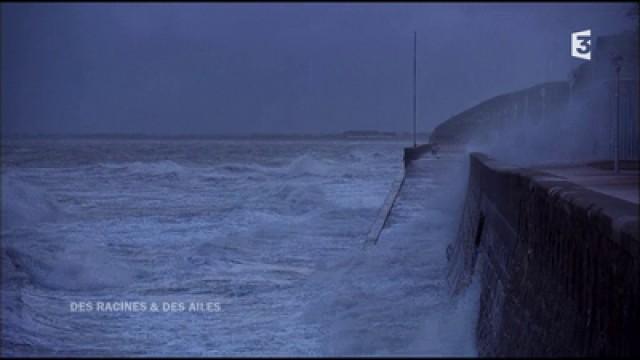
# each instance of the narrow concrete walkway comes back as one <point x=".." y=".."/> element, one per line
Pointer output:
<point x="424" y="186"/>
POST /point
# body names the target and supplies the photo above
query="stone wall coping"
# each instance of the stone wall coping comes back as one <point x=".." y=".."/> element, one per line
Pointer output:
<point x="621" y="216"/>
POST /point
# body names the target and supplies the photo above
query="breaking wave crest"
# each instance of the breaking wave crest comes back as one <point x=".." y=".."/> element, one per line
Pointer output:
<point x="151" y="168"/>
<point x="295" y="198"/>
<point x="303" y="165"/>
<point x="309" y="165"/>
<point x="24" y="203"/>
<point x="73" y="269"/>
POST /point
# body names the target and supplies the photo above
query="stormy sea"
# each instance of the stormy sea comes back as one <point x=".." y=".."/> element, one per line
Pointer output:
<point x="247" y="247"/>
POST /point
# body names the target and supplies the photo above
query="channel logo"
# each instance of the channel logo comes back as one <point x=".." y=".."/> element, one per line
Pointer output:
<point x="581" y="44"/>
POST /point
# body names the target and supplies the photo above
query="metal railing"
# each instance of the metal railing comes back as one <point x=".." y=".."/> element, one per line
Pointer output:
<point x="621" y="134"/>
<point x="626" y="137"/>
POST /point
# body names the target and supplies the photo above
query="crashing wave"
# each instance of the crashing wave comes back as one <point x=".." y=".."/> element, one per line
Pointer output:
<point x="74" y="269"/>
<point x="24" y="203"/>
<point x="154" y="168"/>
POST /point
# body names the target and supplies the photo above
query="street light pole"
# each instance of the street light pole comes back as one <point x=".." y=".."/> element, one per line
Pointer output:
<point x="414" y="88"/>
<point x="616" y="166"/>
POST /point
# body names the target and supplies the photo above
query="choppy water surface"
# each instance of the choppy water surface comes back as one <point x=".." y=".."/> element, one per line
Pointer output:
<point x="244" y="224"/>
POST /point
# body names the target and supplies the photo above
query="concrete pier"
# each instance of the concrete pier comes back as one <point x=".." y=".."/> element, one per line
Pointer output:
<point x="413" y="191"/>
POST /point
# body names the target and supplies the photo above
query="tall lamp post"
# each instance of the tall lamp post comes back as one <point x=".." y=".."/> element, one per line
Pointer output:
<point x="414" y="88"/>
<point x="617" y="63"/>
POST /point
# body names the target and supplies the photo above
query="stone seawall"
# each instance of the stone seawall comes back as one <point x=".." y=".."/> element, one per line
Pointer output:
<point x="559" y="264"/>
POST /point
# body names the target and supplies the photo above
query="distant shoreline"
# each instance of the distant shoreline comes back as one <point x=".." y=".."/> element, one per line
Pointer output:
<point x="347" y="135"/>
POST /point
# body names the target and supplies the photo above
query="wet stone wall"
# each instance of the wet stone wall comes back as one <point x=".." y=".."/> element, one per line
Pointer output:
<point x="559" y="264"/>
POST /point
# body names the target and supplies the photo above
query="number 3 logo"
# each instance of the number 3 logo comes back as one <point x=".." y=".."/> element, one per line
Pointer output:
<point x="581" y="44"/>
<point x="585" y="44"/>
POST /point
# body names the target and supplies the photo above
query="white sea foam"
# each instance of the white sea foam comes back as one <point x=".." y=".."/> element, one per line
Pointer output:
<point x="309" y="165"/>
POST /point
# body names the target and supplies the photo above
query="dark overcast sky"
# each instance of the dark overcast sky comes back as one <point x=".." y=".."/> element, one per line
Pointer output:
<point x="208" y="68"/>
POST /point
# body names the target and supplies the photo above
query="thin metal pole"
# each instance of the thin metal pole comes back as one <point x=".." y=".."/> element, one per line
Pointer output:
<point x="414" y="88"/>
<point x="617" y="154"/>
